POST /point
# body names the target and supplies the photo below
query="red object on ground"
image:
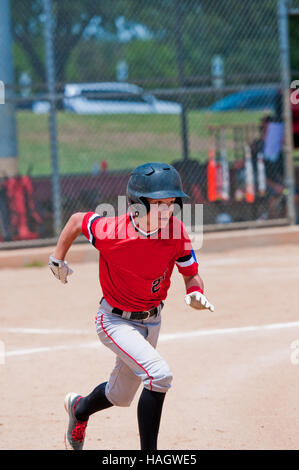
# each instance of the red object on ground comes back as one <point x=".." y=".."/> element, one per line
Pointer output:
<point x="20" y="191"/>
<point x="211" y="177"/>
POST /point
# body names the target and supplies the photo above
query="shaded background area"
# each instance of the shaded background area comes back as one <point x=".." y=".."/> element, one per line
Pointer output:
<point x="209" y="84"/>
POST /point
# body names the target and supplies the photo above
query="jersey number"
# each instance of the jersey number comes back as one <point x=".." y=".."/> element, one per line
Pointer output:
<point x="156" y="285"/>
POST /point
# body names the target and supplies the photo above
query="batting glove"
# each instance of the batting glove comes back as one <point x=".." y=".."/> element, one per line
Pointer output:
<point x="198" y="300"/>
<point x="60" y="269"/>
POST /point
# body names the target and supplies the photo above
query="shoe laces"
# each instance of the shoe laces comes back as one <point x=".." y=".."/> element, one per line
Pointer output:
<point x="78" y="432"/>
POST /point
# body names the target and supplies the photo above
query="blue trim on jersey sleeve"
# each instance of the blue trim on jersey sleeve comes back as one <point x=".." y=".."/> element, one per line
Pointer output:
<point x="193" y="254"/>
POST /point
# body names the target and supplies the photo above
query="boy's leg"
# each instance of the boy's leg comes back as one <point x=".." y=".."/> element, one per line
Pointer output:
<point x="95" y="401"/>
<point x="135" y="348"/>
<point x="123" y="385"/>
<point x="129" y="342"/>
<point x="149" y="415"/>
<point x="149" y="406"/>
<point x="80" y="408"/>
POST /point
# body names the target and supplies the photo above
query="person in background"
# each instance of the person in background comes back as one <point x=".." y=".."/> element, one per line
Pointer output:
<point x="269" y="143"/>
<point x="274" y="166"/>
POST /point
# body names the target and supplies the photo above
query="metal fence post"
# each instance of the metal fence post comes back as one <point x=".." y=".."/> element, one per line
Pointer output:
<point x="286" y="82"/>
<point x="8" y="142"/>
<point x="181" y="75"/>
<point x="50" y="72"/>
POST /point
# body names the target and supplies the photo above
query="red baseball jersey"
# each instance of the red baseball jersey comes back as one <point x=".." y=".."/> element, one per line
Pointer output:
<point x="134" y="266"/>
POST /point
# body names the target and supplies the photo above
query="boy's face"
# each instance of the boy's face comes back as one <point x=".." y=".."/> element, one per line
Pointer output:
<point x="160" y="212"/>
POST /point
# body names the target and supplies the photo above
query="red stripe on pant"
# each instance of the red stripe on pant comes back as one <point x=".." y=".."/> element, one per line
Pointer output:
<point x="114" y="342"/>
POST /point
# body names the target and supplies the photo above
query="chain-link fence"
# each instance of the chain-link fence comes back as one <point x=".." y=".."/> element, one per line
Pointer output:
<point x="102" y="87"/>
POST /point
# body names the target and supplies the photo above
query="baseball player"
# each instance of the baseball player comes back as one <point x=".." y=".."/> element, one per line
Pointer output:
<point x="138" y="251"/>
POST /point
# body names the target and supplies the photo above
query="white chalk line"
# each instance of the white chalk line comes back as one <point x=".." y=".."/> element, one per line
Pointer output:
<point x="162" y="338"/>
<point x="23" y="352"/>
<point x="225" y="331"/>
<point x="45" y="331"/>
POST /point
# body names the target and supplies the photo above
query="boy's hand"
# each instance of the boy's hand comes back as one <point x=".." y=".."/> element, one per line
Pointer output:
<point x="199" y="301"/>
<point x="60" y="269"/>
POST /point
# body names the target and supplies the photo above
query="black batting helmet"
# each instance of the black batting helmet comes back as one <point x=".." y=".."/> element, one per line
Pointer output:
<point x="155" y="180"/>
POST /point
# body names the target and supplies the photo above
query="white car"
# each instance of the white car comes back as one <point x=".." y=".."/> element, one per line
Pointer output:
<point x="41" y="107"/>
<point x="114" y="98"/>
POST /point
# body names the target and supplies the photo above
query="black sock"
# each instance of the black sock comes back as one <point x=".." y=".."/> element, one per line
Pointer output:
<point x="93" y="402"/>
<point x="149" y="414"/>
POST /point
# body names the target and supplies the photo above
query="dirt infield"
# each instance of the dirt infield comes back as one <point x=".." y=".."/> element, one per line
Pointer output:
<point x="234" y="387"/>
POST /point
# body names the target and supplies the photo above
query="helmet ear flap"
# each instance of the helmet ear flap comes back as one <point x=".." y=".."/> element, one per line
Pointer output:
<point x="145" y="203"/>
<point x="179" y="201"/>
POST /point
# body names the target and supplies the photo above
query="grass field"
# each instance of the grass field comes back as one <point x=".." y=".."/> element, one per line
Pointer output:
<point x="124" y="141"/>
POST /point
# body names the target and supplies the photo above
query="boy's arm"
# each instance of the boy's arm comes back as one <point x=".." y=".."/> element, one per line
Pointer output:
<point x="195" y="296"/>
<point x="194" y="281"/>
<point x="70" y="232"/>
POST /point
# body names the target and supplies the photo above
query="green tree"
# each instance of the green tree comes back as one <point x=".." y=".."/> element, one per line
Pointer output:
<point x="72" y="18"/>
<point x="87" y="38"/>
<point x="244" y="33"/>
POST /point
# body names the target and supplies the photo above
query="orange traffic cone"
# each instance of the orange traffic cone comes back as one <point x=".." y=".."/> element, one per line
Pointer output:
<point x="211" y="177"/>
